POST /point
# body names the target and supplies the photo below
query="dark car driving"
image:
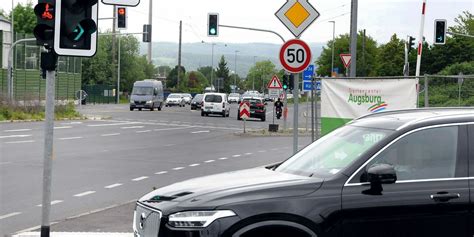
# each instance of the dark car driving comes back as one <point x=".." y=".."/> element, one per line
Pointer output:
<point x="257" y="108"/>
<point x="398" y="173"/>
<point x="196" y="102"/>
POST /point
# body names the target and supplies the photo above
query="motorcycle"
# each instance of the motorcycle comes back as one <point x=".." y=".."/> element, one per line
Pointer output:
<point x="278" y="112"/>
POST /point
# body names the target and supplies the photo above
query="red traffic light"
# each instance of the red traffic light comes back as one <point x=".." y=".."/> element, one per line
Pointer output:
<point x="44" y="11"/>
<point x="121" y="11"/>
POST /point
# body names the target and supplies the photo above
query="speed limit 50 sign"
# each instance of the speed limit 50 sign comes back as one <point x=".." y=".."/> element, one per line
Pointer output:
<point x="295" y="56"/>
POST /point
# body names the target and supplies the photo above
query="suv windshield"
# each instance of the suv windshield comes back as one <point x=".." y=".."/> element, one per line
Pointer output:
<point x="334" y="152"/>
<point x="173" y="96"/>
<point x="197" y="98"/>
<point x="142" y="91"/>
<point x="213" y="98"/>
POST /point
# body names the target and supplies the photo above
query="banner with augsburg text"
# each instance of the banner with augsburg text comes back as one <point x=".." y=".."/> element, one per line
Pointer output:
<point x="343" y="100"/>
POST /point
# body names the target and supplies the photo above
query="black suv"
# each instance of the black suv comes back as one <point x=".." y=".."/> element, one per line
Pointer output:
<point x="402" y="173"/>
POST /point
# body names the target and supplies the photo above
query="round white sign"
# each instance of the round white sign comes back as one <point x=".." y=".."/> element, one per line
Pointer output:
<point x="295" y="56"/>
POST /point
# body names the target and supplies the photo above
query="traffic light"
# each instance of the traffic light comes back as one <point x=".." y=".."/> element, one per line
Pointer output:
<point x="76" y="27"/>
<point x="146" y="34"/>
<point x="440" y="32"/>
<point x="291" y="82"/>
<point x="213" y="25"/>
<point x="121" y="15"/>
<point x="411" y="43"/>
<point x="285" y="82"/>
<point x="44" y="29"/>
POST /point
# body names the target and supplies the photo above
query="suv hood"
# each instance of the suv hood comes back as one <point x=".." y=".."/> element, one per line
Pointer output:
<point x="231" y="187"/>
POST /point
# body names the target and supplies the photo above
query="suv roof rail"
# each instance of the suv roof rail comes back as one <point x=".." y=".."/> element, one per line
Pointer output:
<point x="413" y="110"/>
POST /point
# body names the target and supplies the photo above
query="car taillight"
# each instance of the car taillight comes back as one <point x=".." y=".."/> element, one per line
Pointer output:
<point x="223" y="105"/>
<point x="260" y="105"/>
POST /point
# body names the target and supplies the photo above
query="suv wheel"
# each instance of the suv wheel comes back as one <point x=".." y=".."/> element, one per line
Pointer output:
<point x="202" y="113"/>
<point x="152" y="107"/>
<point x="224" y="114"/>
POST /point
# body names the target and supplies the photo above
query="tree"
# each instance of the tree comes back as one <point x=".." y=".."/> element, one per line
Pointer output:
<point x="25" y="18"/>
<point x="223" y="72"/>
<point x="164" y="70"/>
<point x="206" y="71"/>
<point x="366" y="55"/>
<point x="172" y="78"/>
<point x="260" y="75"/>
<point x="391" y="58"/>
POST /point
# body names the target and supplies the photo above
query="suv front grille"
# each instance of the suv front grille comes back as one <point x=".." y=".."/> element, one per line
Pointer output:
<point x="140" y="102"/>
<point x="147" y="221"/>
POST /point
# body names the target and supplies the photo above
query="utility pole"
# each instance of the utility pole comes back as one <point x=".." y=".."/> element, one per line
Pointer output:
<point x="150" y="20"/>
<point x="118" y="69"/>
<point x="235" y="71"/>
<point x="333" y="42"/>
<point x="212" y="67"/>
<point x="253" y="78"/>
<point x="353" y="67"/>
<point x="296" y="96"/>
<point x="179" y="50"/>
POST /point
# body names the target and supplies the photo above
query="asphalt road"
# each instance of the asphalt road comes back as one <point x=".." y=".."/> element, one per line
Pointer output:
<point x="98" y="164"/>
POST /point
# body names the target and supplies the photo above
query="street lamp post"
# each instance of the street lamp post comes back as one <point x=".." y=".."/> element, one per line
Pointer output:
<point x="235" y="70"/>
<point x="212" y="67"/>
<point x="253" y="78"/>
<point x="333" y="41"/>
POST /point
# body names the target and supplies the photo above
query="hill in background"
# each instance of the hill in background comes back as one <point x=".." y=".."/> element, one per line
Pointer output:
<point x="195" y="55"/>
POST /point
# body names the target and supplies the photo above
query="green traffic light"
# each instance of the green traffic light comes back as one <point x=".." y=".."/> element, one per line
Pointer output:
<point x="285" y="87"/>
<point x="212" y="31"/>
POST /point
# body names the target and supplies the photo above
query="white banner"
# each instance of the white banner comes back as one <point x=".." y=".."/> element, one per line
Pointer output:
<point x="343" y="99"/>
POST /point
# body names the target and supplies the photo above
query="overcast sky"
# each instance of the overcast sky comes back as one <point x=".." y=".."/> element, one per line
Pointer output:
<point x="381" y="18"/>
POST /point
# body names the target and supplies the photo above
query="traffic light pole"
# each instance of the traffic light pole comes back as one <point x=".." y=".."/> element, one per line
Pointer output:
<point x="295" y="112"/>
<point x="49" y="62"/>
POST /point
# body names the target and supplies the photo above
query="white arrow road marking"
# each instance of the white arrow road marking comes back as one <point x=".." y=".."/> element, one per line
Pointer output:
<point x="113" y="186"/>
<point x="10" y="215"/>
<point x="84" y="194"/>
<point x="140" y="178"/>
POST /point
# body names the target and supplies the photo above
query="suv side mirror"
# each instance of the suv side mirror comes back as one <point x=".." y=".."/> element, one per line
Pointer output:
<point x="381" y="174"/>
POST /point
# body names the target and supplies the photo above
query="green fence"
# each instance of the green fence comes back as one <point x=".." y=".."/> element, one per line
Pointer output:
<point x="100" y="94"/>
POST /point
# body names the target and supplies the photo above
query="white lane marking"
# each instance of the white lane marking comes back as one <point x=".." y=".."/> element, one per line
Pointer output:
<point x="161" y="172"/>
<point x="261" y="151"/>
<point x="72" y="123"/>
<point x="70" y="138"/>
<point x="113" y="186"/>
<point x="5" y="163"/>
<point x="20" y="142"/>
<point x="223" y="158"/>
<point x="140" y="178"/>
<point x="193" y="165"/>
<point x="168" y="129"/>
<point x="84" y="194"/>
<point x="16" y="136"/>
<point x="18" y="130"/>
<point x="205" y="131"/>
<point x="144" y="131"/>
<point x="236" y="155"/>
<point x="10" y="215"/>
<point x="132" y="127"/>
<point x="209" y="161"/>
<point x="248" y="154"/>
<point x="274" y="149"/>
<point x="52" y="203"/>
<point x="178" y="168"/>
<point x="63" y="127"/>
<point x="110" y="134"/>
<point x="168" y="145"/>
<point x="111" y="124"/>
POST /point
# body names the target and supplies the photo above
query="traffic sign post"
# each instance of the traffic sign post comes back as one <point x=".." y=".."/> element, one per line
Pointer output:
<point x="244" y="111"/>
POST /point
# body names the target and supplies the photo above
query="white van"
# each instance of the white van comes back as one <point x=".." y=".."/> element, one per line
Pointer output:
<point x="147" y="94"/>
<point x="215" y="103"/>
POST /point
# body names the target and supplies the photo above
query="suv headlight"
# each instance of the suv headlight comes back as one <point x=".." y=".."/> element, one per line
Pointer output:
<point x="149" y="102"/>
<point x="132" y="101"/>
<point x="199" y="219"/>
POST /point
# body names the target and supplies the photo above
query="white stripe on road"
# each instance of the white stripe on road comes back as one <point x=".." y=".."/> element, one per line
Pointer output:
<point x="261" y="151"/>
<point x="16" y="136"/>
<point x="111" y="124"/>
<point x="132" y="127"/>
<point x="140" y="178"/>
<point x="110" y="134"/>
<point x="223" y="158"/>
<point x="84" y="194"/>
<point x="205" y="131"/>
<point x="168" y="129"/>
<point x="20" y="142"/>
<point x="19" y="130"/>
<point x="63" y="127"/>
<point x="209" y="161"/>
<point x="70" y="138"/>
<point x="248" y="154"/>
<point x="10" y="215"/>
<point x="144" y="131"/>
<point x="5" y="163"/>
<point x="236" y="155"/>
<point x="193" y="165"/>
<point x="178" y="168"/>
<point x="113" y="186"/>
<point x="161" y="172"/>
<point x="52" y="203"/>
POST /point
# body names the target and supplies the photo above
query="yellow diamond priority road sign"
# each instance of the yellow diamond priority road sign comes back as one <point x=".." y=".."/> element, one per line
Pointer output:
<point x="297" y="16"/>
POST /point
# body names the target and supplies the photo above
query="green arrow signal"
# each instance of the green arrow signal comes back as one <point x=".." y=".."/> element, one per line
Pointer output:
<point x="80" y="31"/>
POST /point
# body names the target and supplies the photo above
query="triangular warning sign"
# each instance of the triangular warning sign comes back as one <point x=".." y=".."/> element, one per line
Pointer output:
<point x="274" y="83"/>
<point x="346" y="59"/>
